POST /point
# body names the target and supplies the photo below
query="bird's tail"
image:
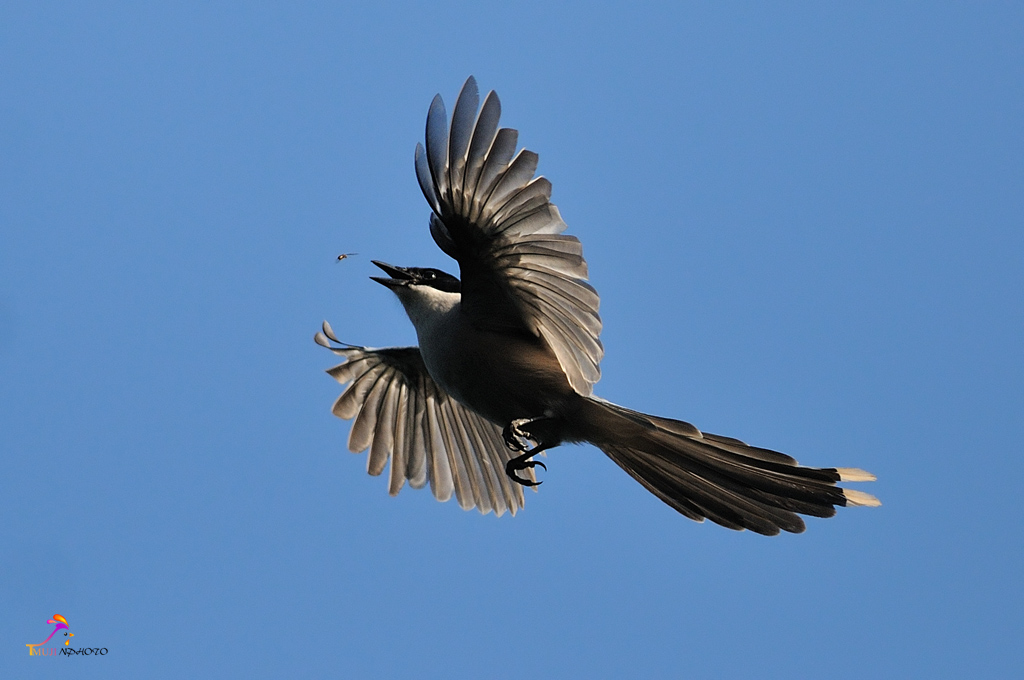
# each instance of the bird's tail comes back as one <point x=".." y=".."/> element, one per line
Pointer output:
<point x="704" y="475"/>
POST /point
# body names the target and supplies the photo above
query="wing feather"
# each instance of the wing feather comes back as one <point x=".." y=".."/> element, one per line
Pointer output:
<point x="418" y="469"/>
<point x="425" y="179"/>
<point x="441" y="483"/>
<point x="519" y="273"/>
<point x="400" y="447"/>
<point x="459" y="475"/>
<point x="404" y="417"/>
<point x="349" y="403"/>
<point x="460" y="137"/>
<point x="467" y="485"/>
<point x="518" y="174"/>
<point x="437" y="146"/>
<point x="532" y="196"/>
<point x="384" y="433"/>
<point x="494" y="164"/>
<point x="483" y="136"/>
<point x="490" y="498"/>
<point x="361" y="434"/>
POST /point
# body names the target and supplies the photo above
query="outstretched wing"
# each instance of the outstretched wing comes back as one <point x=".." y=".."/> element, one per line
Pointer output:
<point x="403" y="416"/>
<point x="519" y="272"/>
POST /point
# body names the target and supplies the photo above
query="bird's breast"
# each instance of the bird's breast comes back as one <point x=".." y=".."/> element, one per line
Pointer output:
<point x="501" y="376"/>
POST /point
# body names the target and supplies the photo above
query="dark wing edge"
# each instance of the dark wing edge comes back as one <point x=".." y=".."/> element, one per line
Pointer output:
<point x="403" y="417"/>
<point x="497" y="220"/>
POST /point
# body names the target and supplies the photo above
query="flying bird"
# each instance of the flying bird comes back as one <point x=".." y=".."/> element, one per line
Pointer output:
<point x="509" y="354"/>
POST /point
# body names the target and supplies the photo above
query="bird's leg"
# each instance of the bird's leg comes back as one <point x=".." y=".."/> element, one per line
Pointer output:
<point x="519" y="439"/>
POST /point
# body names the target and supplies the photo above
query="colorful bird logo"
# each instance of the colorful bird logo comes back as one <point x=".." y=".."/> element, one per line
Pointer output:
<point x="60" y="623"/>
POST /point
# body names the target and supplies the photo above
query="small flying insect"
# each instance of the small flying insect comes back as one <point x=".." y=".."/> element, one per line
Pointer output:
<point x="345" y="255"/>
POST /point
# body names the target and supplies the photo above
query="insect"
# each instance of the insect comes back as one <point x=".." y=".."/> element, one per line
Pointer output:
<point x="345" y="255"/>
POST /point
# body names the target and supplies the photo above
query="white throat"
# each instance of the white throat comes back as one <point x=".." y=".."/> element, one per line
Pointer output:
<point x="428" y="308"/>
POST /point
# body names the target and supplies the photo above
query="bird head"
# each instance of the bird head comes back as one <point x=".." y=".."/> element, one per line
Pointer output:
<point x="423" y="291"/>
<point x="412" y="277"/>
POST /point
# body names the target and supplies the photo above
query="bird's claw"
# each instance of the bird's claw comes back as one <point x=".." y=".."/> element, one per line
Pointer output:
<point x="518" y="438"/>
<point x="522" y="463"/>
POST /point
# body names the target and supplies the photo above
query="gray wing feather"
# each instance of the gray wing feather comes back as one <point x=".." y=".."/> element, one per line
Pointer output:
<point x="401" y="415"/>
<point x="441" y="483"/>
<point x="459" y="138"/>
<point x="349" y="403"/>
<point x="400" y="446"/>
<point x="519" y="172"/>
<point x="384" y="434"/>
<point x="484" y="490"/>
<point x="361" y="434"/>
<point x="442" y="237"/>
<point x="424" y="178"/>
<point x="466" y="491"/>
<point x="492" y="215"/>
<point x="483" y="136"/>
<point x="494" y="163"/>
<point x="418" y="469"/>
<point x="508" y="494"/>
<point x="534" y="195"/>
<point x="437" y="146"/>
<point x="543" y="220"/>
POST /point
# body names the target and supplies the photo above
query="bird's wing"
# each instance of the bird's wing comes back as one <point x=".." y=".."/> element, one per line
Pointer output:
<point x="519" y="272"/>
<point x="403" y="416"/>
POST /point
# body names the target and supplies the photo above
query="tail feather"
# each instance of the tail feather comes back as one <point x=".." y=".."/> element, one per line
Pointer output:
<point x="703" y="475"/>
<point x="671" y="489"/>
<point x="713" y="496"/>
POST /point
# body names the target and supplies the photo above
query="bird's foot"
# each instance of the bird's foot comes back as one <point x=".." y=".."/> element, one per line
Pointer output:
<point x="522" y="462"/>
<point x="518" y="438"/>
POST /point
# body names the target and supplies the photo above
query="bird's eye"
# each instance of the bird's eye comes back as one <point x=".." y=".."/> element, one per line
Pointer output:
<point x="432" y="275"/>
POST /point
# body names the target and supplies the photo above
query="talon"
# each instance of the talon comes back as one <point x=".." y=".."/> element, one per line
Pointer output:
<point x="518" y="438"/>
<point x="525" y="482"/>
<point x="521" y="463"/>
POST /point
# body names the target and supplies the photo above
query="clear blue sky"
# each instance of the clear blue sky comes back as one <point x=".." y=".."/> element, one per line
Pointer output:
<point x="805" y="223"/>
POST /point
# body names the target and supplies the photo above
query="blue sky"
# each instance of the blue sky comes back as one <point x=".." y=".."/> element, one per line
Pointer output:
<point x="804" y="221"/>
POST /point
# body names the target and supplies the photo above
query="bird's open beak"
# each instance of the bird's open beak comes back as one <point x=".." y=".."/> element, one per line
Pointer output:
<point x="399" y="275"/>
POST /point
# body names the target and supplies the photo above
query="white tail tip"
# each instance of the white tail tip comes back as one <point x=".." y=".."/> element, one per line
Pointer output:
<point x="859" y="498"/>
<point x="855" y="475"/>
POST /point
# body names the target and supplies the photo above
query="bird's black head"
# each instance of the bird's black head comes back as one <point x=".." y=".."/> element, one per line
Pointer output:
<point x="417" y="276"/>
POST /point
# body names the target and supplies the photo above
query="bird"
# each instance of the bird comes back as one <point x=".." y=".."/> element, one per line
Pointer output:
<point x="509" y="352"/>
